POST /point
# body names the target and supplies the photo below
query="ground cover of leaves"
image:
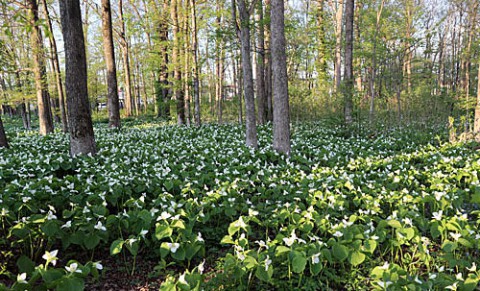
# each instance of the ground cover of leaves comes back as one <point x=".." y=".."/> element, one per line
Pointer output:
<point x="193" y="208"/>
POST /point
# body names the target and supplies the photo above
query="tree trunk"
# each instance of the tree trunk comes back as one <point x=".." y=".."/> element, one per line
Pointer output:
<point x="196" y="82"/>
<point x="348" y="72"/>
<point x="321" y="62"/>
<point x="3" y="136"/>
<point x="82" y="140"/>
<point x="338" y="45"/>
<point x="476" y="124"/>
<point x="39" y="70"/>
<point x="164" y="90"/>
<point x="373" y="69"/>
<point x="281" y="111"/>
<point x="251" y="128"/>
<point x="56" y="69"/>
<point x="260" y="69"/>
<point x="113" y="104"/>
<point x="177" y="74"/>
<point x="219" y="62"/>
<point x="129" y="102"/>
<point x="268" y="66"/>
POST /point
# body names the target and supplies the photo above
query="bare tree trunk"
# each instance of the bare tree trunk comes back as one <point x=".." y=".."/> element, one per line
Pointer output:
<point x="408" y="49"/>
<point x="348" y="72"/>
<point x="3" y="136"/>
<point x="186" y="60"/>
<point x="251" y="128"/>
<point x="164" y="92"/>
<point x="82" y="140"/>
<point x="476" y="124"/>
<point x="268" y="67"/>
<point x="219" y="62"/>
<point x="43" y="98"/>
<point x="338" y="45"/>
<point x="113" y="104"/>
<point x="129" y="105"/>
<point x="196" y="82"/>
<point x="374" y="63"/>
<point x="177" y="75"/>
<point x="260" y="69"/>
<point x="281" y="111"/>
<point x="56" y="70"/>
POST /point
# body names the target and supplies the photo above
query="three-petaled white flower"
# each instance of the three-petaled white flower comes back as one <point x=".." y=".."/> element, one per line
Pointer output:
<point x="473" y="268"/>
<point x="100" y="226"/>
<point x="22" y="278"/>
<point x="68" y="224"/>
<point x="268" y="262"/>
<point x="51" y="257"/>
<point x="316" y="258"/>
<point x="438" y="215"/>
<point x="73" y="268"/>
<point x="173" y="247"/>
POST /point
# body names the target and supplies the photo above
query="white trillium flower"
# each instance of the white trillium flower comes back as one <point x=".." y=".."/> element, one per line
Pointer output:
<point x="338" y="234"/>
<point x="173" y="247"/>
<point x="22" y="278"/>
<point x="453" y="286"/>
<point x="73" y="268"/>
<point x="98" y="265"/>
<point x="268" y="262"/>
<point x="51" y="257"/>
<point x="99" y="226"/>
<point x="438" y="215"/>
<point x="384" y="284"/>
<point x="455" y="236"/>
<point x="316" y="258"/>
<point x="240" y="223"/>
<point x="199" y="237"/>
<point x="385" y="266"/>
<point x="201" y="267"/>
<point x="68" y="224"/>
<point x="473" y="268"/>
<point x="182" y="280"/>
<point x="143" y="233"/>
<point x="459" y="276"/>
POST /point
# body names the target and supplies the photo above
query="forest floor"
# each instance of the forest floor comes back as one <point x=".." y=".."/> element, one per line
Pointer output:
<point x="186" y="208"/>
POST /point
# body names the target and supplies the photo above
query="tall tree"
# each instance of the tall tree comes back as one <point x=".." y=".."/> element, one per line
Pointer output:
<point x="3" y="136"/>
<point x="196" y="81"/>
<point x="56" y="68"/>
<point x="129" y="100"/>
<point x="177" y="74"/>
<point x="338" y="8"/>
<point x="373" y="68"/>
<point x="348" y="70"/>
<point x="281" y="111"/>
<point x="245" y="50"/>
<point x="260" y="68"/>
<point x="113" y="104"/>
<point x="82" y="139"/>
<point x="43" y="97"/>
<point x="219" y="61"/>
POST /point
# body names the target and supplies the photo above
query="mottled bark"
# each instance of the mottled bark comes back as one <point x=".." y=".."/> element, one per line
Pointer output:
<point x="196" y="81"/>
<point x="260" y="68"/>
<point x="348" y="69"/>
<point x="82" y="140"/>
<point x="113" y="104"/>
<point x="56" y="69"/>
<point x="268" y="66"/>
<point x="281" y="111"/>
<point x="39" y="70"/>
<point x="3" y="136"/>
<point x="177" y="74"/>
<point x="338" y="45"/>
<point x="251" y="128"/>
<point x="129" y="101"/>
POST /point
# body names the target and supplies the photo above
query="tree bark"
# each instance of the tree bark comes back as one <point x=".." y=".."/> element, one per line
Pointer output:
<point x="348" y="70"/>
<point x="476" y="124"/>
<point x="268" y="66"/>
<point x="56" y="70"/>
<point x="3" y="136"/>
<point x="281" y="112"/>
<point x="219" y="63"/>
<point x="164" y="90"/>
<point x="251" y="128"/>
<point x="177" y="74"/>
<point x="82" y="140"/>
<point x="260" y="69"/>
<point x="321" y="62"/>
<point x="129" y="102"/>
<point x="196" y="82"/>
<point x="39" y="70"/>
<point x="338" y="45"/>
<point x="113" y="104"/>
<point x="373" y="69"/>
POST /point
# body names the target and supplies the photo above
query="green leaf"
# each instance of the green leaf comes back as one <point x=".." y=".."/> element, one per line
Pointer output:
<point x="163" y="231"/>
<point x="50" y="228"/>
<point x="70" y="284"/>
<point x="25" y="265"/>
<point x="280" y="250"/>
<point x="465" y="242"/>
<point x="340" y="252"/>
<point x="264" y="275"/>
<point x="370" y="245"/>
<point x="357" y="258"/>
<point x="116" y="247"/>
<point x="299" y="261"/>
<point x="395" y="223"/>
<point x="449" y="246"/>
<point x="227" y="240"/>
<point x="91" y="241"/>
<point x="436" y="230"/>
<point x="470" y="283"/>
<point x="179" y="254"/>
